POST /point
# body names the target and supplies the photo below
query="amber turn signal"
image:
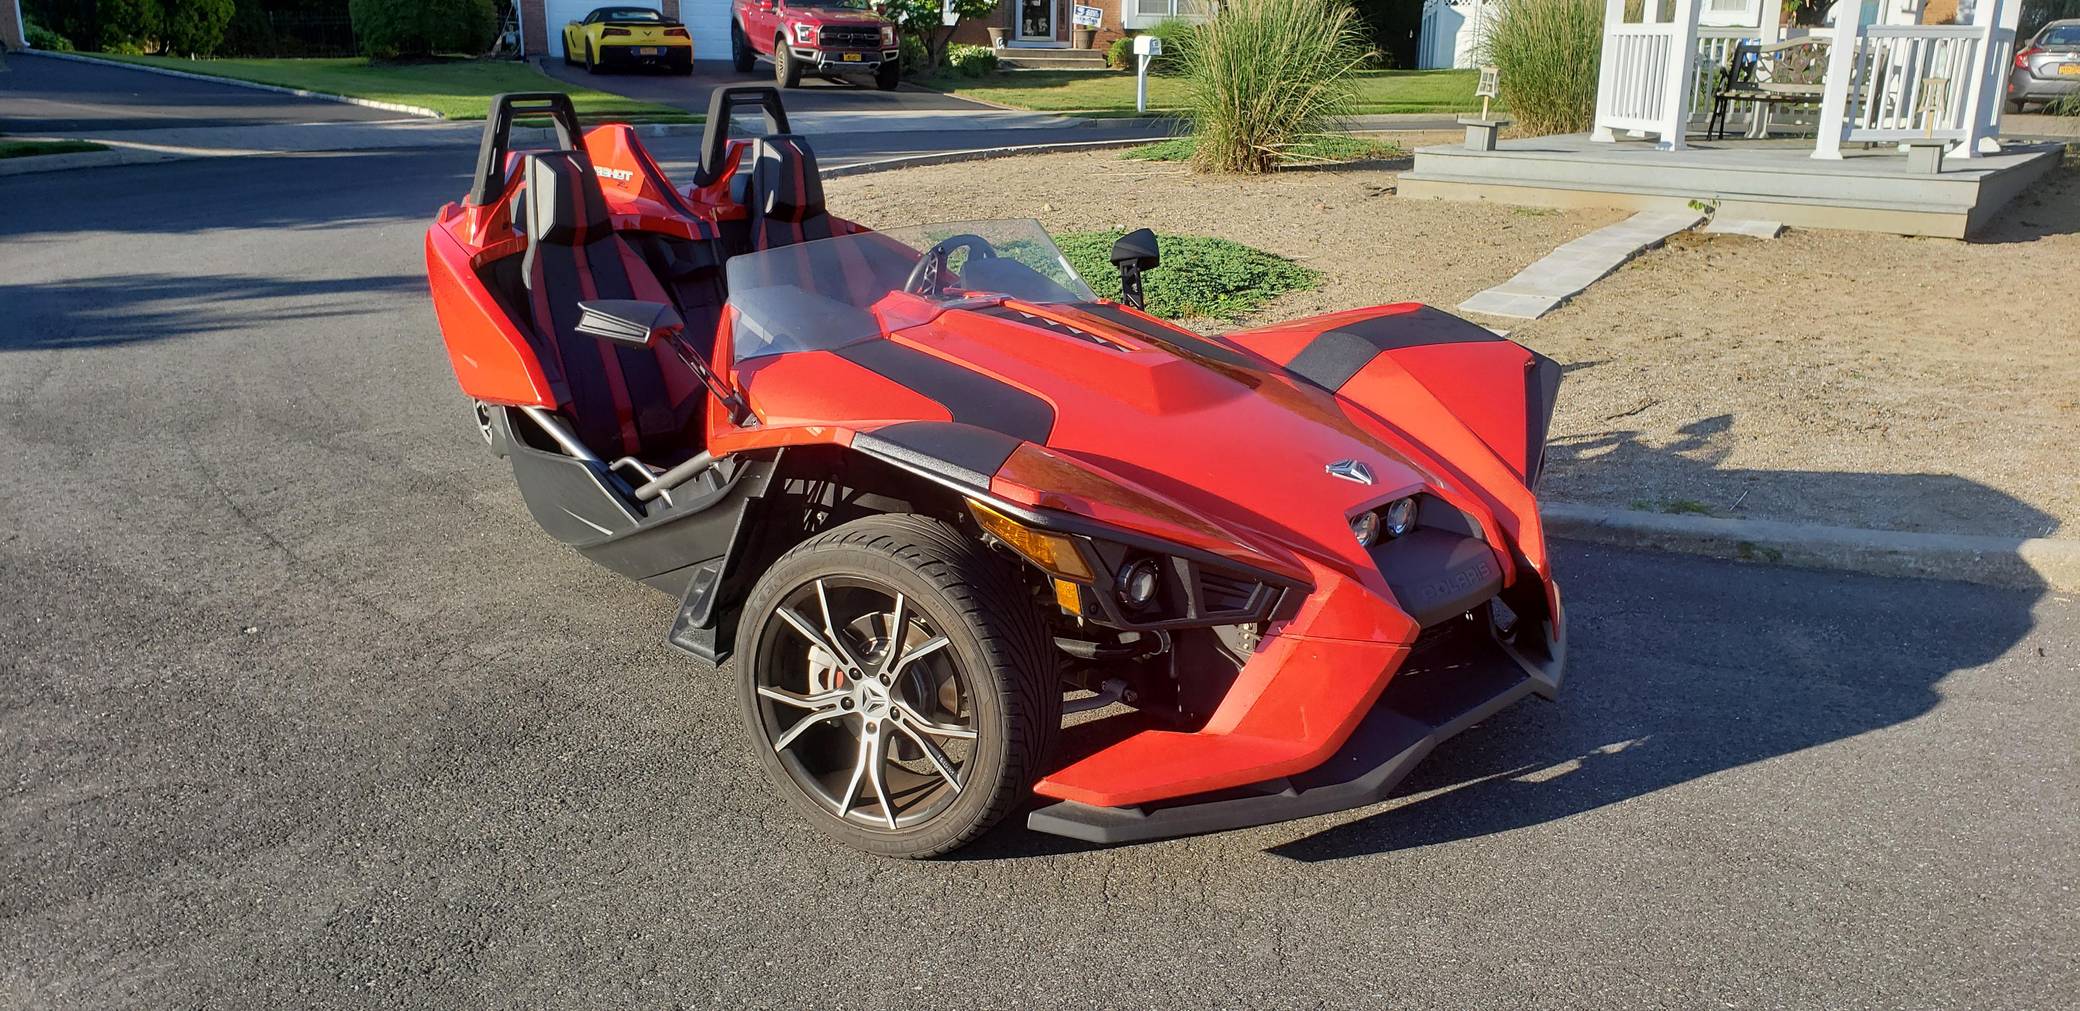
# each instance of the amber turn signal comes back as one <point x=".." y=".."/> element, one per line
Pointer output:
<point x="1052" y="552"/>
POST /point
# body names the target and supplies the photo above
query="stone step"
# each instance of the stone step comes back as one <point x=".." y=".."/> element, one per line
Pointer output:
<point x="1019" y="58"/>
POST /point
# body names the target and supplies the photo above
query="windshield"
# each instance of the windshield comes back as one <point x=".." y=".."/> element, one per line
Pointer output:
<point x="2060" y="35"/>
<point x="825" y="294"/>
<point x="626" y="14"/>
<point x="844" y="5"/>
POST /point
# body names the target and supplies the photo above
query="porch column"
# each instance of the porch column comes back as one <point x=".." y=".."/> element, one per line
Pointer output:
<point x="1606" y="72"/>
<point x="1679" y="89"/>
<point x="1841" y="67"/>
<point x="1989" y="89"/>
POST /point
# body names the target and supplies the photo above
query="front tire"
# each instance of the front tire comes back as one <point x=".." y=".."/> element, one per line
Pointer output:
<point x="567" y="60"/>
<point x="897" y="684"/>
<point x="786" y="72"/>
<point x="591" y="59"/>
<point x="740" y="55"/>
<point x="888" y="75"/>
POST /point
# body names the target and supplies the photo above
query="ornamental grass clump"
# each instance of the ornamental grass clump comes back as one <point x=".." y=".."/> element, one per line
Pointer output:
<point x="1546" y="51"/>
<point x="1264" y="75"/>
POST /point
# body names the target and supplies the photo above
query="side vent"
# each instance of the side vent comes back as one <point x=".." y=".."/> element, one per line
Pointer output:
<point x="1221" y="592"/>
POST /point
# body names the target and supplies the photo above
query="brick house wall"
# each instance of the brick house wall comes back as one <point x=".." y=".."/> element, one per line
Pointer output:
<point x="11" y="25"/>
<point x="975" y="31"/>
<point x="534" y="24"/>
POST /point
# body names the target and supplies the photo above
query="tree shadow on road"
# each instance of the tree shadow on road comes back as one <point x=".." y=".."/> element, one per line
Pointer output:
<point x="129" y="308"/>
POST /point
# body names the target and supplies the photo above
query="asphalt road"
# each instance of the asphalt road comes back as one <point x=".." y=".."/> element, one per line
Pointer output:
<point x="298" y="709"/>
<point x="42" y="94"/>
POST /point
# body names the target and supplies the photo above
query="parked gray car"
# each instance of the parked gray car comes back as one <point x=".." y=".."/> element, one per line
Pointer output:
<point x="2048" y="68"/>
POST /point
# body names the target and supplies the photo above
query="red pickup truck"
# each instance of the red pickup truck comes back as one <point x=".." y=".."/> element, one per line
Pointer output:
<point x="822" y="37"/>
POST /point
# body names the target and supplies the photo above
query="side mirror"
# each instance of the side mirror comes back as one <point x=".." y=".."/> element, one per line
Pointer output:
<point x="629" y="322"/>
<point x="1135" y="252"/>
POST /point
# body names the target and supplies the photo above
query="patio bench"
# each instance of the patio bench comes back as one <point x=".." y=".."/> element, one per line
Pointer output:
<point x="1791" y="72"/>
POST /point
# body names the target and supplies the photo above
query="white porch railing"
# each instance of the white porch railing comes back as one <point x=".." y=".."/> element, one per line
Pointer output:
<point x="1646" y="77"/>
<point x="1894" y="98"/>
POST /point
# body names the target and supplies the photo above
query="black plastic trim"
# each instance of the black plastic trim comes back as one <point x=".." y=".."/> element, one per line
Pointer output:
<point x="971" y="397"/>
<point x="1334" y="356"/>
<point x="965" y="455"/>
<point x="493" y="144"/>
<point x="715" y="135"/>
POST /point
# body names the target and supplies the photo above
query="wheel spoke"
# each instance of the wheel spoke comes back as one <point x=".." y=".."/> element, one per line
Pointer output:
<point x="808" y="631"/>
<point x="933" y="754"/>
<point x="859" y="772"/>
<point x="878" y="769"/>
<point x="924" y="649"/>
<point x="836" y="643"/>
<point x="815" y="717"/>
<point x="897" y="624"/>
<point x="819" y="700"/>
<point x="913" y="718"/>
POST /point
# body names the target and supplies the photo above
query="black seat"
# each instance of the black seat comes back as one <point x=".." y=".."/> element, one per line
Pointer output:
<point x="622" y="401"/>
<point x="787" y="194"/>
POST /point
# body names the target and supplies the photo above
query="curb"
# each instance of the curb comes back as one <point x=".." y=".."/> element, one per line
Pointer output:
<point x="30" y="164"/>
<point x="978" y="154"/>
<point x="409" y="110"/>
<point x="2027" y="562"/>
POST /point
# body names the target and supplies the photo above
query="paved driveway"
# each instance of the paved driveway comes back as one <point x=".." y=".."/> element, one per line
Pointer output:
<point x="298" y="709"/>
<point x="41" y="94"/>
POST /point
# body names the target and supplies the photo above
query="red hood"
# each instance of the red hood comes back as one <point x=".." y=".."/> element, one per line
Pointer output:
<point x="1214" y="432"/>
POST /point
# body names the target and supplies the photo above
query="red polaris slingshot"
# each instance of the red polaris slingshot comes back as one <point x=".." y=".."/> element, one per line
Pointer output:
<point x="938" y="500"/>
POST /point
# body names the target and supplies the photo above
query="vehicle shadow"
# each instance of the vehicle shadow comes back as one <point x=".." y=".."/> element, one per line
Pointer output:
<point x="128" y="308"/>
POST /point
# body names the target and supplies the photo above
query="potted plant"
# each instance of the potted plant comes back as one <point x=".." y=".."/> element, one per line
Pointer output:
<point x="1083" y="30"/>
<point x="996" y="36"/>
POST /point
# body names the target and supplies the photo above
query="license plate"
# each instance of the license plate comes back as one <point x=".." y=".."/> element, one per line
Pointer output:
<point x="649" y="51"/>
<point x="850" y="57"/>
<point x="2069" y="70"/>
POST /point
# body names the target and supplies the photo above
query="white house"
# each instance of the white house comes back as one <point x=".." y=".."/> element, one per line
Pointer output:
<point x="1451" y="33"/>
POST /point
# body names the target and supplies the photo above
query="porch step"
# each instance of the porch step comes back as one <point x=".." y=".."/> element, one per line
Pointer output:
<point x="1020" y="58"/>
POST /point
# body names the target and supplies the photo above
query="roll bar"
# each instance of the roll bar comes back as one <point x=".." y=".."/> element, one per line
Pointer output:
<point x="498" y="130"/>
<point x="715" y="135"/>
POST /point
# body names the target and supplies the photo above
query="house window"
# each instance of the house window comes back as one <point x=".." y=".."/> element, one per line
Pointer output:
<point x="1147" y="13"/>
<point x="1730" y="14"/>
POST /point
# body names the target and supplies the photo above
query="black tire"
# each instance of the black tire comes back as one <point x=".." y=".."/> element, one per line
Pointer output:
<point x="995" y="664"/>
<point x="591" y="59"/>
<point x="888" y="75"/>
<point x="740" y="54"/>
<point x="786" y="72"/>
<point x="567" y="61"/>
<point x="2016" y="105"/>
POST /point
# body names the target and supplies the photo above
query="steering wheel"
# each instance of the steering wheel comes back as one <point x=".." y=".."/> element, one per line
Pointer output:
<point x="930" y="275"/>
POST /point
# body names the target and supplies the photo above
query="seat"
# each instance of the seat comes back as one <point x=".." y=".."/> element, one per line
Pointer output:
<point x="638" y="402"/>
<point x="787" y="194"/>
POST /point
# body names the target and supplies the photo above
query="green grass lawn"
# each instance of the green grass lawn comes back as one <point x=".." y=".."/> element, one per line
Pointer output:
<point x="27" y="148"/>
<point x="1088" y="92"/>
<point x="457" y="89"/>
<point x="1329" y="147"/>
<point x="1201" y="277"/>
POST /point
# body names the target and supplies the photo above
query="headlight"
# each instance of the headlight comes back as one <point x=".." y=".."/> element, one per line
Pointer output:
<point x="1365" y="527"/>
<point x="1138" y="583"/>
<point x="1401" y="516"/>
<point x="888" y="35"/>
<point x="805" y="34"/>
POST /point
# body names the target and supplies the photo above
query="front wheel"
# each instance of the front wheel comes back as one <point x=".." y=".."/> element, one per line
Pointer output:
<point x="897" y="685"/>
<point x="786" y="72"/>
<point x="888" y="75"/>
<point x="740" y="54"/>
<point x="591" y="59"/>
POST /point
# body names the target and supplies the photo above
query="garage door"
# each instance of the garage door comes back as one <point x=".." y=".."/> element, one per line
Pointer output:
<point x="707" y="20"/>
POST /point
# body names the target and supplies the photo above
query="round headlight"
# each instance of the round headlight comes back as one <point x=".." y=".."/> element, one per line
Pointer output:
<point x="1138" y="583"/>
<point x="1365" y="527"/>
<point x="1401" y="516"/>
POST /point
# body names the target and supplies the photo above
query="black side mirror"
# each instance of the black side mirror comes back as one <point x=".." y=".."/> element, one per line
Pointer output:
<point x="629" y="322"/>
<point x="1135" y="252"/>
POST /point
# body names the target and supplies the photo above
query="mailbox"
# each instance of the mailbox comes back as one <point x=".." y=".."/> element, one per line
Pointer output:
<point x="1148" y="45"/>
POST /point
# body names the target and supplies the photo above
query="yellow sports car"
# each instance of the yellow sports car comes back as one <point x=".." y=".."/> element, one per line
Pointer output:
<point x="628" y="37"/>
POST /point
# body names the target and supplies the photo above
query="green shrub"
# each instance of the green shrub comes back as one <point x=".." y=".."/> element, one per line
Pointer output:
<point x="971" y="61"/>
<point x="127" y="26"/>
<point x="195" y="27"/>
<point x="1327" y="148"/>
<point x="1200" y="277"/>
<point x="1265" y="73"/>
<point x="1120" y="54"/>
<point x="393" y="28"/>
<point x="43" y="38"/>
<point x="1547" y="52"/>
<point x="916" y="58"/>
<point x="1178" y="35"/>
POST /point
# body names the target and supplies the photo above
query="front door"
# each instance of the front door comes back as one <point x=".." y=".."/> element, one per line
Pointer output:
<point x="1035" y="21"/>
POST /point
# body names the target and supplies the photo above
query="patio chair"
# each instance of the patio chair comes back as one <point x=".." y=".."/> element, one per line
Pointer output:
<point x="1791" y="72"/>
